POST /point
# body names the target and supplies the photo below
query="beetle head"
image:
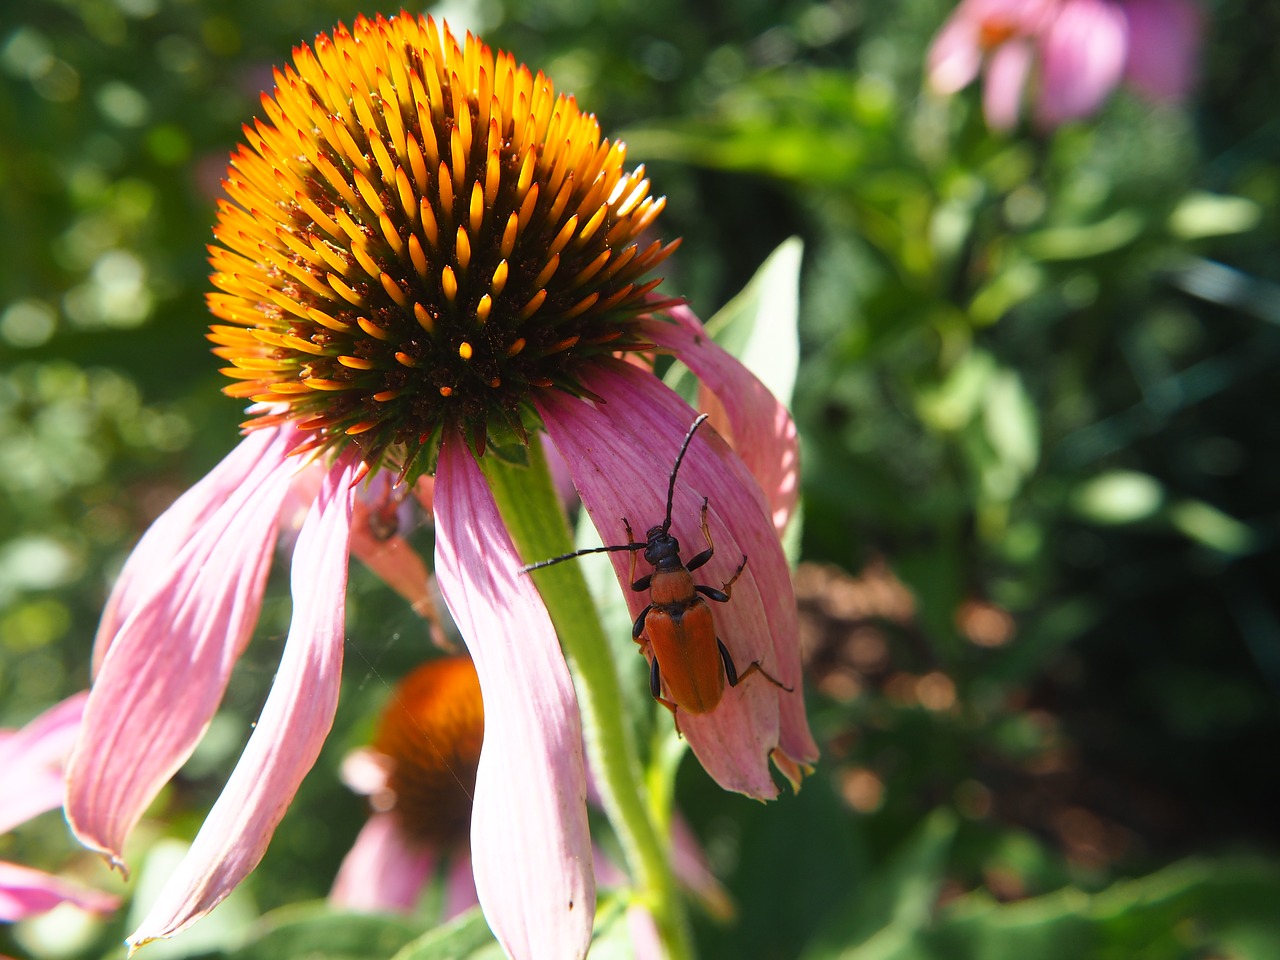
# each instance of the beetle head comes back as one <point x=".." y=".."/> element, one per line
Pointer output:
<point x="663" y="550"/>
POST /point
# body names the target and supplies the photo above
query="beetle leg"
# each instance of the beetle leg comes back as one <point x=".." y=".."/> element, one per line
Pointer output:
<point x="642" y="584"/>
<point x="726" y="589"/>
<point x="655" y="688"/>
<point x="637" y="628"/>
<point x="700" y="558"/>
<point x="731" y="672"/>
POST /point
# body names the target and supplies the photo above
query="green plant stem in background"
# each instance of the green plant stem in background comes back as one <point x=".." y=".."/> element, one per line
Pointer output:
<point x="527" y="500"/>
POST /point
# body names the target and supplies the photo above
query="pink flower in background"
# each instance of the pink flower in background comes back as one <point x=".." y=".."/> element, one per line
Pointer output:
<point x="32" y="760"/>
<point x="1164" y="41"/>
<point x="1065" y="56"/>
<point x="419" y="774"/>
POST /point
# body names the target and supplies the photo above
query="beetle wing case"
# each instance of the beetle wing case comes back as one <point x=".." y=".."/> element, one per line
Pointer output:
<point x="688" y="655"/>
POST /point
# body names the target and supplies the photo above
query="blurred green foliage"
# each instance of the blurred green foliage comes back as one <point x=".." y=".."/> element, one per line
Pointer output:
<point x="1037" y="377"/>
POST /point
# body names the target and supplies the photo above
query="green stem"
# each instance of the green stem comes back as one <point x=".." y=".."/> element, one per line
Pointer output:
<point x="527" y="500"/>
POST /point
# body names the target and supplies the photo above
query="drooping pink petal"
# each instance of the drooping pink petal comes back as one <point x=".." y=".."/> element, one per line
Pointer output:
<point x="165" y="672"/>
<point x="530" y="843"/>
<point x="620" y="454"/>
<point x="761" y="429"/>
<point x="177" y="526"/>
<point x="396" y="562"/>
<point x="384" y="871"/>
<point x="1006" y="82"/>
<point x="1164" y="41"/>
<point x="1082" y="58"/>
<point x="33" y="759"/>
<point x="25" y="892"/>
<point x="376" y="543"/>
<point x="459" y="886"/>
<point x="290" y="731"/>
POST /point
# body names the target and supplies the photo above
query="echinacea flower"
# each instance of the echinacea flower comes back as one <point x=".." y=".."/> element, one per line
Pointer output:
<point x="425" y="253"/>
<point x="1071" y="53"/>
<point x="32" y="759"/>
<point x="419" y="775"/>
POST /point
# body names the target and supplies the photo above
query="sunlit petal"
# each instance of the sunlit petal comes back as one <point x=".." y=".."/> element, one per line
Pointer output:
<point x="287" y="737"/>
<point x="166" y="538"/>
<point x="530" y="843"/>
<point x="166" y="670"/>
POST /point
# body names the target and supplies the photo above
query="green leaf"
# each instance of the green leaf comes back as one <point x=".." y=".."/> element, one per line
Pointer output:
<point x="1195" y="908"/>
<point x="1209" y="526"/>
<point x="1012" y="426"/>
<point x="950" y="405"/>
<point x="1118" y="497"/>
<point x="892" y="906"/>
<point x="461" y="937"/>
<point x="1086" y="240"/>
<point x="1201" y="214"/>
<point x="315" y="931"/>
<point x="758" y="326"/>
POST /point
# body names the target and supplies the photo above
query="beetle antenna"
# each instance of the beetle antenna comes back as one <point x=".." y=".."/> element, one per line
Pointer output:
<point x="613" y="548"/>
<point x="671" y="483"/>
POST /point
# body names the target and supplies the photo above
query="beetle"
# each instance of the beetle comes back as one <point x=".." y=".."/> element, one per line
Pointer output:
<point x="676" y="630"/>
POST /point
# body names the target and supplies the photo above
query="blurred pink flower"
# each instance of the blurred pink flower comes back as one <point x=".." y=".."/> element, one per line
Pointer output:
<point x="419" y="773"/>
<point x="1068" y="55"/>
<point x="32" y="759"/>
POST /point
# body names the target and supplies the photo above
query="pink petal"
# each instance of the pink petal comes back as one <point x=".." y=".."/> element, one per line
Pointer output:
<point x="459" y="886"/>
<point x="1083" y="55"/>
<point x="290" y="731"/>
<point x="384" y="871"/>
<point x="646" y="943"/>
<point x="954" y="56"/>
<point x="165" y="672"/>
<point x="386" y="553"/>
<point x="32" y="760"/>
<point x="395" y="561"/>
<point x="689" y="864"/>
<point x="1164" y="41"/>
<point x="366" y="771"/>
<point x="530" y="843"/>
<point x="178" y="525"/>
<point x="25" y="892"/>
<point x="620" y="454"/>
<point x="1005" y="83"/>
<point x="760" y="428"/>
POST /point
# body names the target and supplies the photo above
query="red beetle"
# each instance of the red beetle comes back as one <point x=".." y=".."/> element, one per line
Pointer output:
<point x="676" y="630"/>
